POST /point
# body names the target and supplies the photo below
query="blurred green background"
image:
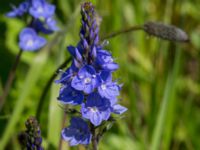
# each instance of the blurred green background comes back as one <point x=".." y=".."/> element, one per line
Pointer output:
<point x="161" y="79"/>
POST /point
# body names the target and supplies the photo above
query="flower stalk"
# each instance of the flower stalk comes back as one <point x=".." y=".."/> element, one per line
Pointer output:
<point x="94" y="138"/>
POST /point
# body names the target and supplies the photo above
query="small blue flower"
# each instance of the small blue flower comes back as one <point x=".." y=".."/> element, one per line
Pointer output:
<point x="96" y="109"/>
<point x="108" y="89"/>
<point x="47" y="27"/>
<point x="30" y="41"/>
<point x="51" y="24"/>
<point x="40" y="8"/>
<point x="105" y="61"/>
<point x="118" y="109"/>
<point x="69" y="95"/>
<point x="86" y="80"/>
<point x="18" y="11"/>
<point x="40" y="26"/>
<point x="77" y="133"/>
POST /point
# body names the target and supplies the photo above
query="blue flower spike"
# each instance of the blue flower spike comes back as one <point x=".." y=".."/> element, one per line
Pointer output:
<point x="88" y="81"/>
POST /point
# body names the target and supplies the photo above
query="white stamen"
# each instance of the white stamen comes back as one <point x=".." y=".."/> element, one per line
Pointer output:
<point x="87" y="80"/>
<point x="81" y="77"/>
<point x="103" y="86"/>
<point x="40" y="9"/>
<point x="94" y="109"/>
<point x="30" y="43"/>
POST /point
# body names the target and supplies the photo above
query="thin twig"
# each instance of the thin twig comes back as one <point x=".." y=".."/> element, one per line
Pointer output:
<point x="47" y="86"/>
<point x="122" y="31"/>
<point x="10" y="79"/>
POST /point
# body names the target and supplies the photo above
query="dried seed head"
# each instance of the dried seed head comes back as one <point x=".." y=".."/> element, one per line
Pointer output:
<point x="167" y="32"/>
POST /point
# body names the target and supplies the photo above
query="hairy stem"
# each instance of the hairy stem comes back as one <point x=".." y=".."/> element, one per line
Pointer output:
<point x="122" y="31"/>
<point x="10" y="79"/>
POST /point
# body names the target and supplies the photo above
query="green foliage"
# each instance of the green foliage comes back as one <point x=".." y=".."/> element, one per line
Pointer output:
<point x="161" y="88"/>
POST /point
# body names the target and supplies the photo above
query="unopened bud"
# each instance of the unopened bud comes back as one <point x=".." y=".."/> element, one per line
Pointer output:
<point x="167" y="32"/>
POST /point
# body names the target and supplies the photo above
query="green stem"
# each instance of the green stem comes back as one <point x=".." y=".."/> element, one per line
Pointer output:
<point x="170" y="87"/>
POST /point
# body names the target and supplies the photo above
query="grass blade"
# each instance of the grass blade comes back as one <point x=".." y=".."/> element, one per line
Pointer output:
<point x="156" y="138"/>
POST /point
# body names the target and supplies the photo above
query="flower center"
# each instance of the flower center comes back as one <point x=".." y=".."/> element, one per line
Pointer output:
<point x="103" y="86"/>
<point x="40" y="9"/>
<point x="87" y="80"/>
<point x="81" y="76"/>
<point x="30" y="43"/>
<point x="94" y="109"/>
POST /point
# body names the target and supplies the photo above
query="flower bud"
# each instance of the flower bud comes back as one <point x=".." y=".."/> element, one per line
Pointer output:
<point x="167" y="32"/>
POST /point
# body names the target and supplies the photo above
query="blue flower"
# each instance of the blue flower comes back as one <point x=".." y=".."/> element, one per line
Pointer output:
<point x="96" y="109"/>
<point x="69" y="95"/>
<point x="47" y="27"/>
<point x="19" y="11"/>
<point x="108" y="89"/>
<point x="30" y="41"/>
<point x="40" y="8"/>
<point x="77" y="133"/>
<point x="118" y="109"/>
<point x="86" y="80"/>
<point x="105" y="61"/>
<point x="51" y="24"/>
<point x="40" y="26"/>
